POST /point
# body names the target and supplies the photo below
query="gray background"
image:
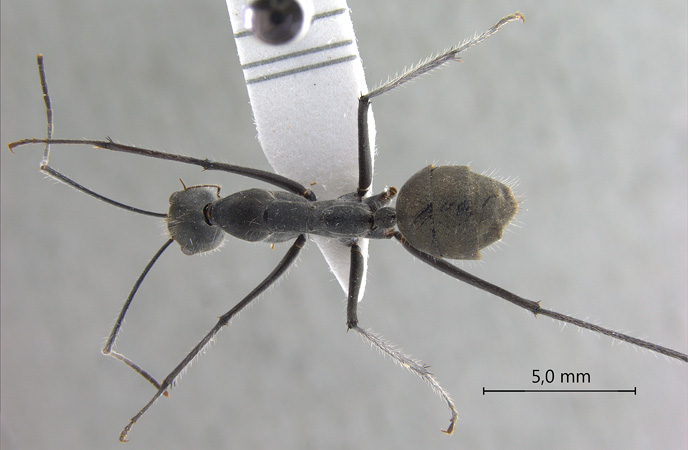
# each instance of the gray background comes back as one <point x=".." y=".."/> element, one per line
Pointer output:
<point x="585" y="104"/>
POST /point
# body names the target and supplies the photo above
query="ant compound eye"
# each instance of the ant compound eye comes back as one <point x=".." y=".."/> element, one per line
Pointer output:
<point x="277" y="22"/>
<point x="186" y="221"/>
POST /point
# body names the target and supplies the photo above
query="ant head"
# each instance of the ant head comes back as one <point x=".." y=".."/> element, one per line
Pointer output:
<point x="186" y="220"/>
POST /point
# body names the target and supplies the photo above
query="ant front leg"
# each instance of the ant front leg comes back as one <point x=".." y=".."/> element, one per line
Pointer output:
<point x="108" y="144"/>
<point x="45" y="162"/>
<point x="223" y="321"/>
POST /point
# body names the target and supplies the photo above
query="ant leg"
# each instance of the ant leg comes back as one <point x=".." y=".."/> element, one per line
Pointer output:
<point x="534" y="307"/>
<point x="45" y="162"/>
<point x="356" y="269"/>
<point x="439" y="60"/>
<point x="108" y="144"/>
<point x="45" y="168"/>
<point x="420" y="369"/>
<point x="414" y="366"/>
<point x="262" y="175"/>
<point x="365" y="160"/>
<point x="257" y="174"/>
<point x="277" y="272"/>
<point x="107" y="349"/>
<point x="365" y="169"/>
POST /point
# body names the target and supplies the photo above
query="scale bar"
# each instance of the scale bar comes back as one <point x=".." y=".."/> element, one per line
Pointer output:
<point x="633" y="391"/>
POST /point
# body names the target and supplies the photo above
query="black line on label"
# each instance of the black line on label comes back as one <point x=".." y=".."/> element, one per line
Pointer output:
<point x="301" y="69"/>
<point x="308" y="51"/>
<point x="334" y="12"/>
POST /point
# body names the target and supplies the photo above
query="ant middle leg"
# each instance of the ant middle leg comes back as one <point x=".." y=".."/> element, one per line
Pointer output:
<point x="365" y="166"/>
<point x="415" y="366"/>
<point x="356" y="271"/>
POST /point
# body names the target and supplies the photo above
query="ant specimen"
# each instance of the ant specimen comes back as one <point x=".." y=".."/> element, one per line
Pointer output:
<point x="441" y="212"/>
